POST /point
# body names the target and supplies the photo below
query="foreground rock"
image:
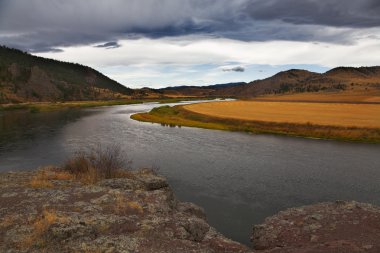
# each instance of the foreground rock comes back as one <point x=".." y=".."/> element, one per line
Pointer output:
<point x="326" y="227"/>
<point x="48" y="211"/>
<point x="134" y="214"/>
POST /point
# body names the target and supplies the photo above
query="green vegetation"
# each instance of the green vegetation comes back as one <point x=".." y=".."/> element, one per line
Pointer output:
<point x="178" y="116"/>
<point x="177" y="100"/>
<point x="38" y="107"/>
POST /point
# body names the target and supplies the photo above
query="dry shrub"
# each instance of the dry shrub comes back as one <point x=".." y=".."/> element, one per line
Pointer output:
<point x="99" y="163"/>
<point x="61" y="175"/>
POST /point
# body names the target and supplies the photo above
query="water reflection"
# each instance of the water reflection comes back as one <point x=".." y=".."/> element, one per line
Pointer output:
<point x="238" y="178"/>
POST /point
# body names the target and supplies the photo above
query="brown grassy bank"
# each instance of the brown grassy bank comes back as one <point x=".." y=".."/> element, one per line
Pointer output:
<point x="360" y="96"/>
<point x="327" y="114"/>
<point x="179" y="116"/>
<point x="52" y="106"/>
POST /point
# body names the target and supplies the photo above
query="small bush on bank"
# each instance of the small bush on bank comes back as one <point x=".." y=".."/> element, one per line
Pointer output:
<point x="167" y="110"/>
<point x="98" y="163"/>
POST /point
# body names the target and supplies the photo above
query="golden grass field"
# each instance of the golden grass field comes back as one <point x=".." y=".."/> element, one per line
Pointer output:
<point x="180" y="116"/>
<point x="327" y="114"/>
<point x="363" y="96"/>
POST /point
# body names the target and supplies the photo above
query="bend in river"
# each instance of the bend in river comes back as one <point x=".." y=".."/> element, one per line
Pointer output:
<point x="238" y="178"/>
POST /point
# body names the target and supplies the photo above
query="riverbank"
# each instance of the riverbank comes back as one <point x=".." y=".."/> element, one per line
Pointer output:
<point x="51" y="106"/>
<point x="49" y="210"/>
<point x="182" y="116"/>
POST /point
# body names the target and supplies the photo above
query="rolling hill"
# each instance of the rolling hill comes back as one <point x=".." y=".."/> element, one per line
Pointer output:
<point x="196" y="91"/>
<point x="363" y="80"/>
<point x="27" y="78"/>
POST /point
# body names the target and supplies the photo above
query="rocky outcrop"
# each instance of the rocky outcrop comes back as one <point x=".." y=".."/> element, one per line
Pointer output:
<point x="52" y="212"/>
<point x="138" y="213"/>
<point x="327" y="227"/>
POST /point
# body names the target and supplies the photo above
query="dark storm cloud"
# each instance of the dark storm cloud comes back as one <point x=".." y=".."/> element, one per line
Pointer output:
<point x="339" y="13"/>
<point x="45" y="25"/>
<point x="234" y="69"/>
<point x="109" y="45"/>
<point x="29" y="23"/>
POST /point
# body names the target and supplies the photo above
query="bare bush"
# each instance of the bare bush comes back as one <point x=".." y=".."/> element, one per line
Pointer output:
<point x="98" y="163"/>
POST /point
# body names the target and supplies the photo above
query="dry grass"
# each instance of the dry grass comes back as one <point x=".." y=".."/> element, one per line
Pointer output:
<point x="40" y="226"/>
<point x="123" y="206"/>
<point x="327" y="114"/>
<point x="364" y="96"/>
<point x="40" y="183"/>
<point x="45" y="175"/>
<point x="8" y="220"/>
<point x="86" y="167"/>
<point x="178" y="116"/>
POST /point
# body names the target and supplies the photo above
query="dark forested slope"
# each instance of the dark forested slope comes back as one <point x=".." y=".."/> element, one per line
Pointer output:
<point x="28" y="78"/>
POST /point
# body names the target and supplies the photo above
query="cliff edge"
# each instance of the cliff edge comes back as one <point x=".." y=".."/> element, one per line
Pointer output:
<point x="49" y="211"/>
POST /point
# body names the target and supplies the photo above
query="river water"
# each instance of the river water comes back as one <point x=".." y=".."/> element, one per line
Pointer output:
<point x="238" y="178"/>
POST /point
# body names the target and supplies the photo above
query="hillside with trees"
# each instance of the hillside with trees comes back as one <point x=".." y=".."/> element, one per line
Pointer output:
<point x="28" y="78"/>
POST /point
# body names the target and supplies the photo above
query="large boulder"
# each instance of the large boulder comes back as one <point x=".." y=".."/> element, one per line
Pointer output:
<point x="327" y="227"/>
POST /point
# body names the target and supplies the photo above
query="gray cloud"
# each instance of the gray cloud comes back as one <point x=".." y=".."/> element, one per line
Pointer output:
<point x="339" y="13"/>
<point x="109" y="45"/>
<point x="45" y="25"/>
<point x="234" y="69"/>
<point x="29" y="23"/>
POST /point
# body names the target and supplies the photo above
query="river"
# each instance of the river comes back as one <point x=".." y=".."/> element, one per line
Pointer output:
<point x="238" y="178"/>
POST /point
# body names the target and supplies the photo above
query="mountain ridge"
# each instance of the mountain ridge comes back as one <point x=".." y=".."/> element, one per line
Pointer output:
<point x="29" y="78"/>
<point x="295" y="81"/>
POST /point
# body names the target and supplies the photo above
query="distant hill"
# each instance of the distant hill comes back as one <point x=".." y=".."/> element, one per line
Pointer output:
<point x="292" y="81"/>
<point x="299" y="81"/>
<point x="27" y="78"/>
<point x="200" y="91"/>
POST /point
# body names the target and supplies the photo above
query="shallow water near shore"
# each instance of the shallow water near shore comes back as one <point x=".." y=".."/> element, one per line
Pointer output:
<point x="238" y="178"/>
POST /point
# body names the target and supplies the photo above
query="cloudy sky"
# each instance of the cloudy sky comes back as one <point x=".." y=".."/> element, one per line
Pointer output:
<point x="159" y="43"/>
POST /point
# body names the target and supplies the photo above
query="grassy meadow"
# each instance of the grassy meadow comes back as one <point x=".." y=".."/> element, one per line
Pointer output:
<point x="346" y="122"/>
<point x="327" y="114"/>
<point x="360" y="96"/>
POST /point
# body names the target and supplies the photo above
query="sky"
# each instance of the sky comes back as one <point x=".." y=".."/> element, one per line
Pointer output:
<point x="160" y="43"/>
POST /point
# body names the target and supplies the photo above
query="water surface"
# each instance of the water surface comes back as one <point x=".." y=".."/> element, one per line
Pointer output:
<point x="238" y="178"/>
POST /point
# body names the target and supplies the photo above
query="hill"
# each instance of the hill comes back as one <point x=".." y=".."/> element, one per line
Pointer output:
<point x="363" y="80"/>
<point x="299" y="81"/>
<point x="196" y="91"/>
<point x="28" y="78"/>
